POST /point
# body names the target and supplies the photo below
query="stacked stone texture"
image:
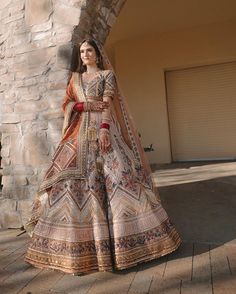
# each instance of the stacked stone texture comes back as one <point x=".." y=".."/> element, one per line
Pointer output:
<point x="36" y="40"/>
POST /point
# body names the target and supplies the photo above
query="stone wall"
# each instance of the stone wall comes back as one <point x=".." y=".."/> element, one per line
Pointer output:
<point x="36" y="40"/>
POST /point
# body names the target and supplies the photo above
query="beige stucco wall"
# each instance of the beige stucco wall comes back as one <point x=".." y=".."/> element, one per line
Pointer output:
<point x="140" y="64"/>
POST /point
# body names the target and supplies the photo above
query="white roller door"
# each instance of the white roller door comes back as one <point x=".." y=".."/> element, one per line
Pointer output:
<point x="202" y="112"/>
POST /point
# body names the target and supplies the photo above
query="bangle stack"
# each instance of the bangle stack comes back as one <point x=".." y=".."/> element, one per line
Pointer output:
<point x="104" y="128"/>
<point x="79" y="106"/>
<point x="82" y="106"/>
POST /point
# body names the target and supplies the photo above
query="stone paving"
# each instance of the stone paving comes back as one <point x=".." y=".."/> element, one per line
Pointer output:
<point x="200" y="199"/>
<point x="194" y="268"/>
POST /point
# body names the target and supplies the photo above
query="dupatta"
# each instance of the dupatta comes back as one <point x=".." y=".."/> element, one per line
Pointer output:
<point x="125" y="120"/>
<point x="121" y="117"/>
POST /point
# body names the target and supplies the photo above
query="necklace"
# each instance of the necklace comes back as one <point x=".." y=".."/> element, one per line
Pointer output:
<point x="92" y="72"/>
<point x="87" y="78"/>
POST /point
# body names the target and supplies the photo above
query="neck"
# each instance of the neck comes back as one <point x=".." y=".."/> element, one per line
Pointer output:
<point x="91" y="69"/>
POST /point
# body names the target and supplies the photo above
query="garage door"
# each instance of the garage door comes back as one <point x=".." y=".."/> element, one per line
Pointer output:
<point x="202" y="112"/>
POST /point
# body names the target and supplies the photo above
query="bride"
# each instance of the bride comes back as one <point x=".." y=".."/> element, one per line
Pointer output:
<point x="96" y="208"/>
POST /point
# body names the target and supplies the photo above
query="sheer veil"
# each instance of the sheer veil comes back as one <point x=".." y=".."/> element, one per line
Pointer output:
<point x="125" y="119"/>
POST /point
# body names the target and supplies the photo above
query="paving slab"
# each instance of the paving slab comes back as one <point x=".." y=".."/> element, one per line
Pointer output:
<point x="17" y="266"/>
<point x="165" y="286"/>
<point x="198" y="286"/>
<point x="141" y="283"/>
<point x="74" y="284"/>
<point x="219" y="261"/>
<point x="9" y="259"/>
<point x="231" y="255"/>
<point x="125" y="276"/>
<point x="201" y="201"/>
<point x="15" y="283"/>
<point x="223" y="284"/>
<point x="46" y="279"/>
<point x="179" y="264"/>
<point x="201" y="262"/>
<point x="108" y="287"/>
<point x="155" y="267"/>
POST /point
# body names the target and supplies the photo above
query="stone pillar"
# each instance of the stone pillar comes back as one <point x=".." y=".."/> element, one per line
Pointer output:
<point x="36" y="40"/>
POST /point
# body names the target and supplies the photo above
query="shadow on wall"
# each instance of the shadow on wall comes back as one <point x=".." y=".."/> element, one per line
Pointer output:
<point x="0" y="165"/>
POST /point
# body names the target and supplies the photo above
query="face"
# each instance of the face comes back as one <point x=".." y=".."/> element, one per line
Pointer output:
<point x="88" y="54"/>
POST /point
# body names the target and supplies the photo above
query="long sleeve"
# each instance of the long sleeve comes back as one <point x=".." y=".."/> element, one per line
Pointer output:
<point x="110" y="88"/>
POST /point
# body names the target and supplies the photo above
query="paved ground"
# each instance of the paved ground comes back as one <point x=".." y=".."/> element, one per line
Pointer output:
<point x="201" y="201"/>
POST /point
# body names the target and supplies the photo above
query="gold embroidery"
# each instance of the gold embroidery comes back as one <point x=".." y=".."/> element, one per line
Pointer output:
<point x="92" y="132"/>
<point x="78" y="172"/>
<point x="67" y="116"/>
<point x="100" y="163"/>
<point x="82" y="140"/>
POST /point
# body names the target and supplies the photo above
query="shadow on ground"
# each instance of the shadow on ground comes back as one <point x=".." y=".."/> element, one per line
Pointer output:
<point x="200" y="199"/>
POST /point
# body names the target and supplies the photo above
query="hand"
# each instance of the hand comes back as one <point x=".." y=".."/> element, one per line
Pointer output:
<point x="104" y="140"/>
<point x="96" y="106"/>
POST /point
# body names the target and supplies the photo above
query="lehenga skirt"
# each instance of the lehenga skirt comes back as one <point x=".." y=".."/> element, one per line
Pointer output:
<point x="113" y="219"/>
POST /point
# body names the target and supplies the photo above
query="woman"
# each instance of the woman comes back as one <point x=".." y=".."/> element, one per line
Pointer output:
<point x="96" y="208"/>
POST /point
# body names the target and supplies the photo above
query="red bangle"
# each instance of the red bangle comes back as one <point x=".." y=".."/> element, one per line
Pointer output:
<point x="79" y="106"/>
<point x="104" y="126"/>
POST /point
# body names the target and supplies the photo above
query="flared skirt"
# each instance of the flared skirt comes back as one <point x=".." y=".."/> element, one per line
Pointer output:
<point x="113" y="219"/>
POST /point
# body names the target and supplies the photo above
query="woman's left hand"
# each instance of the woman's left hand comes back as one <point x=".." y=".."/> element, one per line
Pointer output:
<point x="104" y="140"/>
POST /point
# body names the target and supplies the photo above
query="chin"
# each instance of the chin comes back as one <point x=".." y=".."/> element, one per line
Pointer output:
<point x="91" y="64"/>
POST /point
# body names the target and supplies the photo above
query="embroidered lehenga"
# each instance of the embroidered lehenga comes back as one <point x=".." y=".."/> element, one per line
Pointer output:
<point x="97" y="211"/>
